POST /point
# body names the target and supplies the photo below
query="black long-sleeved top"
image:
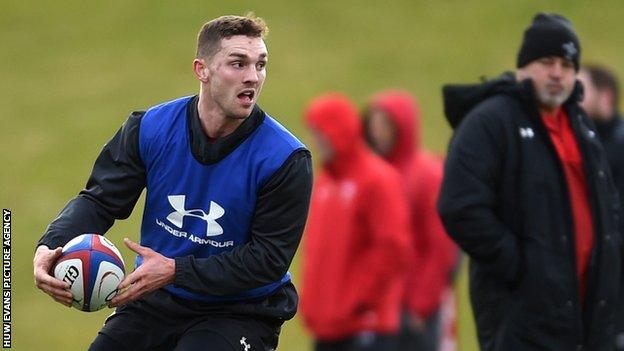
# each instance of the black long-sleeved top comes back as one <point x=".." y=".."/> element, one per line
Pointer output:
<point x="119" y="176"/>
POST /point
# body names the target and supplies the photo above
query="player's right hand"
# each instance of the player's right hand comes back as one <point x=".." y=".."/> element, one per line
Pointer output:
<point x="42" y="263"/>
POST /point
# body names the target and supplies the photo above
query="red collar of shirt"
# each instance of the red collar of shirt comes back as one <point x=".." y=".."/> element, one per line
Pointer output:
<point x="555" y="121"/>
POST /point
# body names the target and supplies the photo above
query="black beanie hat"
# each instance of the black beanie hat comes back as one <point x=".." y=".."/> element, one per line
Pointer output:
<point x="549" y="35"/>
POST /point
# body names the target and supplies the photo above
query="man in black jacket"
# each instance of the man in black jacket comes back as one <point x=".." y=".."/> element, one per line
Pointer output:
<point x="600" y="101"/>
<point x="528" y="195"/>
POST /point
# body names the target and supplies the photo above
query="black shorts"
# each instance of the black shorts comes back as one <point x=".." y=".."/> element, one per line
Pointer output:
<point x="161" y="321"/>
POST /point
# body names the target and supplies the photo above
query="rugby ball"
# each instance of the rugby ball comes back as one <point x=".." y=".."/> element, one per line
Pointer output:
<point x="93" y="267"/>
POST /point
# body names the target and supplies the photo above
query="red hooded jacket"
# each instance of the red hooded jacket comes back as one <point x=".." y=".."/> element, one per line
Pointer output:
<point x="357" y="235"/>
<point x="434" y="253"/>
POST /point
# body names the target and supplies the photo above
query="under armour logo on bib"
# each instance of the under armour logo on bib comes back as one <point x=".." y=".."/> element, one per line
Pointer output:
<point x="177" y="217"/>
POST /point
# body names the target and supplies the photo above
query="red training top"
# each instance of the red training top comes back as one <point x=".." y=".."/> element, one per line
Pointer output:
<point x="563" y="138"/>
<point x="434" y="255"/>
<point x="356" y="242"/>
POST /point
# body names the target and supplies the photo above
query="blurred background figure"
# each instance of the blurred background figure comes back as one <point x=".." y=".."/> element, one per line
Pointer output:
<point x="356" y="241"/>
<point x="600" y="101"/>
<point x="392" y="121"/>
<point x="528" y="195"/>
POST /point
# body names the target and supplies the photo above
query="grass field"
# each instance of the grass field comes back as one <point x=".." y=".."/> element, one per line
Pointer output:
<point x="71" y="71"/>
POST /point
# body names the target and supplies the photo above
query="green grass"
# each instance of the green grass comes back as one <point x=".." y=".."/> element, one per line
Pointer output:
<point x="72" y="71"/>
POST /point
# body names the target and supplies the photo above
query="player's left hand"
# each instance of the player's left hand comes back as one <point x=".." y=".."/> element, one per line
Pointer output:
<point x="155" y="272"/>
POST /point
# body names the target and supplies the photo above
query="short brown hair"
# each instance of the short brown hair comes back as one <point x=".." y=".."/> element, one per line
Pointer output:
<point x="604" y="79"/>
<point x="209" y="37"/>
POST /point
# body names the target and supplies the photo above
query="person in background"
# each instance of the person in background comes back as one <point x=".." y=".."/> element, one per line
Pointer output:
<point x="601" y="100"/>
<point x="392" y="120"/>
<point x="528" y="195"/>
<point x="357" y="238"/>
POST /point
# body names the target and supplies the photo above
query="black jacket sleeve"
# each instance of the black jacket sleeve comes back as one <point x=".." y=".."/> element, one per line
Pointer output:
<point x="468" y="198"/>
<point x="277" y="225"/>
<point x="115" y="184"/>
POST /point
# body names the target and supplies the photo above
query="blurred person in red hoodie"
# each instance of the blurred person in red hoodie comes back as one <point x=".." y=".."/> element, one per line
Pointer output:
<point x="357" y="237"/>
<point x="392" y="122"/>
